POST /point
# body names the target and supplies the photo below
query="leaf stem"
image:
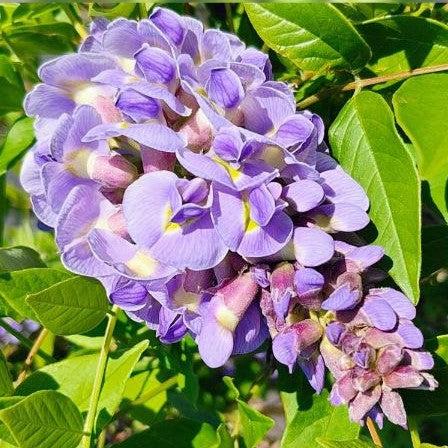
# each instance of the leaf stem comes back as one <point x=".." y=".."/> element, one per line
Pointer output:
<point x="413" y="430"/>
<point x="33" y="351"/>
<point x="99" y="377"/>
<point x="156" y="391"/>
<point x="373" y="432"/>
<point x="361" y="83"/>
<point x="25" y="341"/>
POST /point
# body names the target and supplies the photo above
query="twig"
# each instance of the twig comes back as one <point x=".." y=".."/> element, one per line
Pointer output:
<point x="373" y="432"/>
<point x="98" y="381"/>
<point x="25" y="341"/>
<point x="34" y="350"/>
<point x="359" y="84"/>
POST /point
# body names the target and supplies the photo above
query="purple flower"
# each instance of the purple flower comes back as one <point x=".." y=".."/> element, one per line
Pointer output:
<point x="177" y="172"/>
<point x="171" y="216"/>
<point x="229" y="322"/>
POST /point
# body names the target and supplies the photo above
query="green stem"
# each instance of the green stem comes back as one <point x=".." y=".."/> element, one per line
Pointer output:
<point x="98" y="381"/>
<point x="156" y="391"/>
<point x="2" y="207"/>
<point x="25" y="341"/>
<point x="413" y="430"/>
<point x="361" y="83"/>
<point x="102" y="439"/>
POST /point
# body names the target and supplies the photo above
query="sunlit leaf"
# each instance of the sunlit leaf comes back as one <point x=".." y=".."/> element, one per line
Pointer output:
<point x="421" y="106"/>
<point x="364" y="140"/>
<point x="45" y="419"/>
<point x="401" y="43"/>
<point x="74" y="378"/>
<point x="75" y="305"/>
<point x="315" y="36"/>
<point x="19" y="138"/>
<point x="15" y="286"/>
<point x="254" y="425"/>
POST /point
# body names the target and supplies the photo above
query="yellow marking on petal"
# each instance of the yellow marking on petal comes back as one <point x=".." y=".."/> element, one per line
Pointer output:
<point x="249" y="224"/>
<point x="127" y="64"/>
<point x="102" y="224"/>
<point x="232" y="172"/>
<point x="170" y="227"/>
<point x="226" y="318"/>
<point x="80" y="162"/>
<point x="86" y="93"/>
<point x="189" y="300"/>
<point x="202" y="92"/>
<point x="324" y="222"/>
<point x="142" y="265"/>
<point x="273" y="156"/>
<point x="123" y="125"/>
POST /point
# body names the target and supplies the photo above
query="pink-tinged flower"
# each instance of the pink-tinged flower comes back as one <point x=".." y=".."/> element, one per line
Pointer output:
<point x="229" y="323"/>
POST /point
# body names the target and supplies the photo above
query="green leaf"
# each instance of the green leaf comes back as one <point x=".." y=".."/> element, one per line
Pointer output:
<point x="74" y="377"/>
<point x="5" y="435"/>
<point x="15" y="286"/>
<point x="315" y="36"/>
<point x="111" y="11"/>
<point x="45" y="419"/>
<point x="10" y="86"/>
<point x="310" y="416"/>
<point x="356" y="443"/>
<point x="420" y="106"/>
<point x="228" y="381"/>
<point x="6" y="386"/>
<point x="401" y="43"/>
<point x="73" y="306"/>
<point x="17" y="258"/>
<point x="320" y="419"/>
<point x="138" y="385"/>
<point x="176" y="433"/>
<point x="364" y="140"/>
<point x="19" y="138"/>
<point x="224" y="438"/>
<point x="253" y="424"/>
<point x="32" y="42"/>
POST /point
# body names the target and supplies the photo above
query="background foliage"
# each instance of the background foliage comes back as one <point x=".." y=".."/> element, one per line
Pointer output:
<point x="375" y="74"/>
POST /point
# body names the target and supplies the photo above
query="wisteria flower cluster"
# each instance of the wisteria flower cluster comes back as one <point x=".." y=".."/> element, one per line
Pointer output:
<point x="175" y="170"/>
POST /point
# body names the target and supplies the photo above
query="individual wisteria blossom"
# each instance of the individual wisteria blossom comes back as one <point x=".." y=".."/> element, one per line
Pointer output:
<point x="176" y="171"/>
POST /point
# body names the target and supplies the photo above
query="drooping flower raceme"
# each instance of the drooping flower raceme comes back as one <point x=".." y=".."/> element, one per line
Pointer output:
<point x="178" y="173"/>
